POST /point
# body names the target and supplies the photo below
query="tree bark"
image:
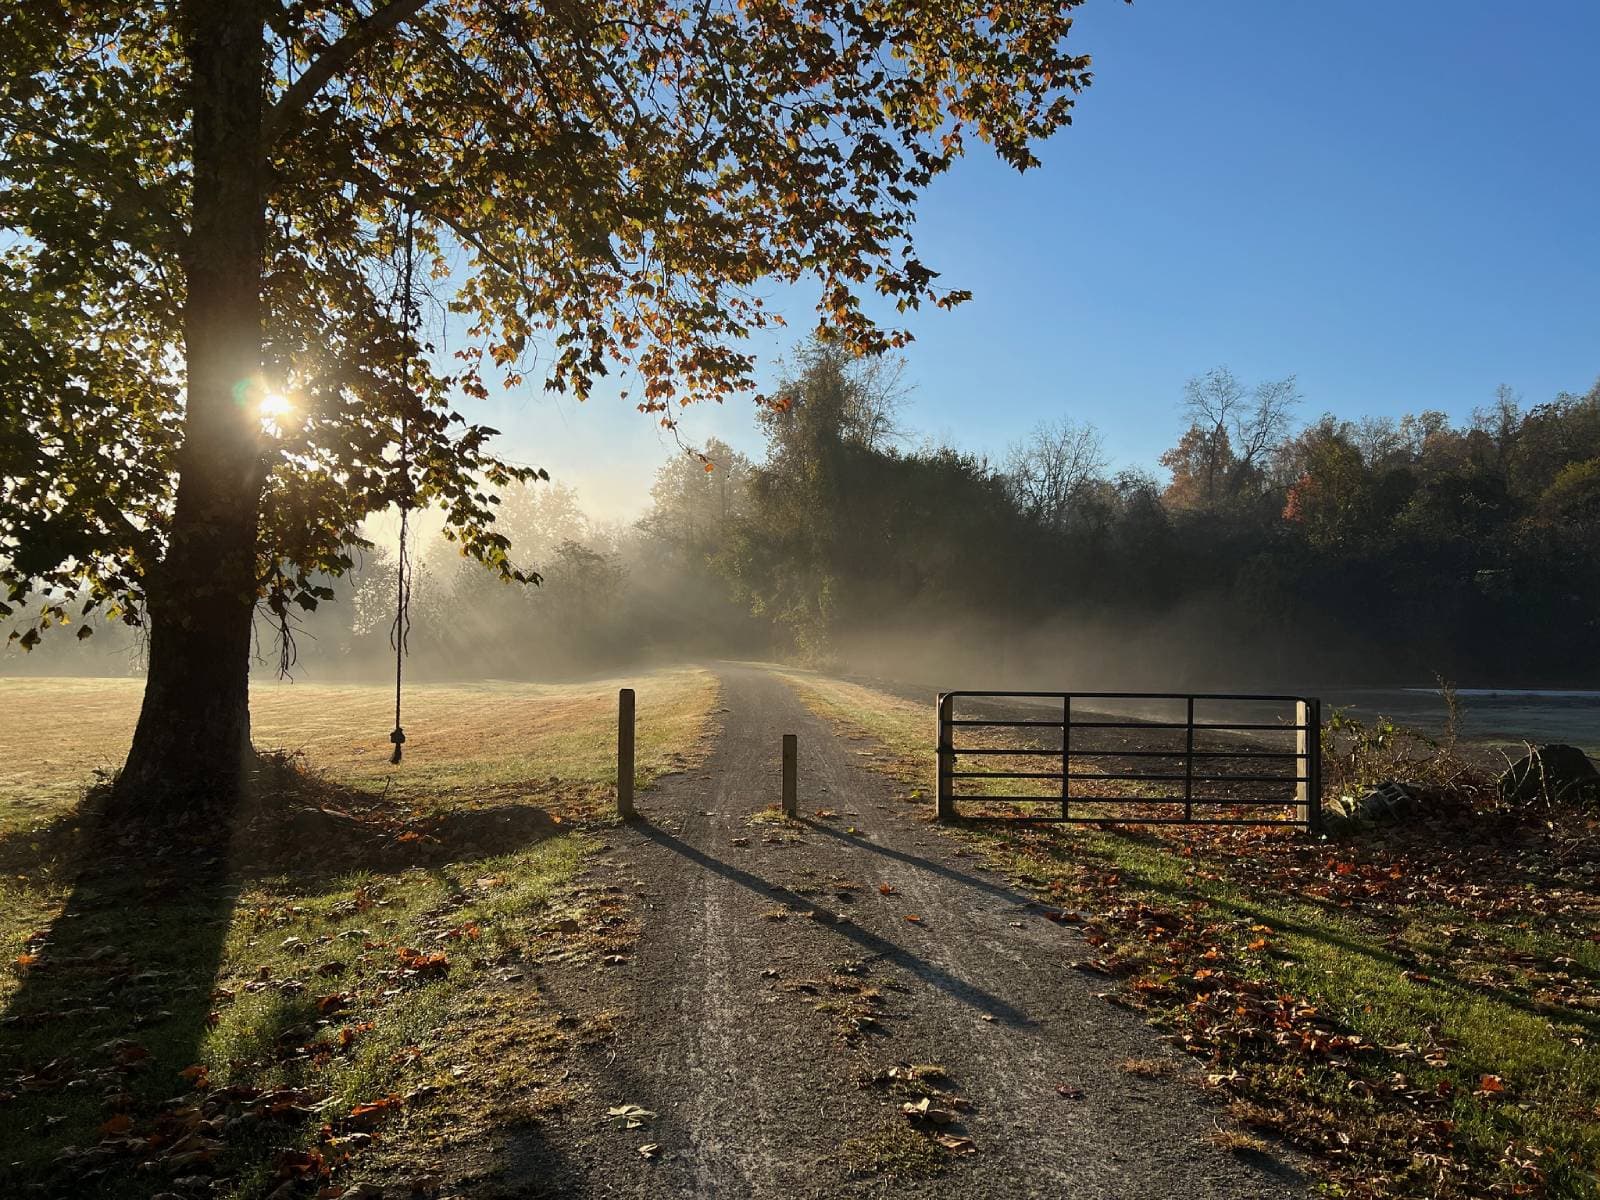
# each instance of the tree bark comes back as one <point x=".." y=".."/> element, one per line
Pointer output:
<point x="194" y="727"/>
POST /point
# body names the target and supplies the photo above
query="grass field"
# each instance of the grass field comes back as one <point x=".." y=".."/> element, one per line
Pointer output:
<point x="484" y="739"/>
<point x="1419" y="1012"/>
<point x="345" y="964"/>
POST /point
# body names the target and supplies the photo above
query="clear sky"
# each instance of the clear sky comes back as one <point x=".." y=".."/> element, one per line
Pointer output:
<point x="1398" y="201"/>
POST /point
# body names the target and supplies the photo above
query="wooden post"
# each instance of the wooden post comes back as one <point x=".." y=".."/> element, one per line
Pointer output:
<point x="625" y="753"/>
<point x="944" y="803"/>
<point x="791" y="752"/>
<point x="1308" y="763"/>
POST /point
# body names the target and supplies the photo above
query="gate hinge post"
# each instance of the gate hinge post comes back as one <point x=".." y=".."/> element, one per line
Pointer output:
<point x="1308" y="763"/>
<point x="944" y="802"/>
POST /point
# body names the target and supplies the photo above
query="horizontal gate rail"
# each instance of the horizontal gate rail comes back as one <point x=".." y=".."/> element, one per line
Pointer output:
<point x="1206" y="766"/>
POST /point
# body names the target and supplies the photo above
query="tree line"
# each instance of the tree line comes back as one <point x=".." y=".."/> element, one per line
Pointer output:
<point x="1270" y="550"/>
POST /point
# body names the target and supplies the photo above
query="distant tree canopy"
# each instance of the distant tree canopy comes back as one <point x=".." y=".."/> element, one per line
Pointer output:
<point x="1369" y="550"/>
<point x="1474" y="550"/>
<point x="208" y="204"/>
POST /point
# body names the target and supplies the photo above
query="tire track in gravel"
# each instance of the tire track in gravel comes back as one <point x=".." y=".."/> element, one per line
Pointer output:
<point x="757" y="1091"/>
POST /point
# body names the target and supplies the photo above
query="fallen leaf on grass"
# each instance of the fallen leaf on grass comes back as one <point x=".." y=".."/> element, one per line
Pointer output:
<point x="649" y="1149"/>
<point x="957" y="1144"/>
<point x="129" y="1054"/>
<point x="923" y="1110"/>
<point x="1489" y="1085"/>
<point x="421" y="962"/>
<point x="887" y="890"/>
<point x="914" y="919"/>
<point x="1070" y="1092"/>
<point x="365" y="1116"/>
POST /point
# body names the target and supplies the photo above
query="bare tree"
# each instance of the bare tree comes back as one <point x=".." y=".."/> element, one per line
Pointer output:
<point x="1238" y="426"/>
<point x="1051" y="469"/>
<point x="828" y="391"/>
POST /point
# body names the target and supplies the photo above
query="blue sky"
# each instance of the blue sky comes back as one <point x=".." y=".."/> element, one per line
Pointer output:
<point x="1399" y="202"/>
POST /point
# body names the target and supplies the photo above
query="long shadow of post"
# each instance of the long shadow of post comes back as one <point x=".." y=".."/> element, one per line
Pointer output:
<point x="881" y="948"/>
<point x="965" y="879"/>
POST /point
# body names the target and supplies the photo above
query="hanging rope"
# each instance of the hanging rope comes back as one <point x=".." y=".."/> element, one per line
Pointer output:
<point x="400" y="631"/>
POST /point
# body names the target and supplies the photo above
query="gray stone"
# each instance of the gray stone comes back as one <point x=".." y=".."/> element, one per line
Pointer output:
<point x="1552" y="772"/>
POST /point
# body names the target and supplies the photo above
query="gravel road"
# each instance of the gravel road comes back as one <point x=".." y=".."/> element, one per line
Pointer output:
<point x="735" y="1026"/>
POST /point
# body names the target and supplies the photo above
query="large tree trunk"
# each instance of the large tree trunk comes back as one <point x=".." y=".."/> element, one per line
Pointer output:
<point x="194" y="728"/>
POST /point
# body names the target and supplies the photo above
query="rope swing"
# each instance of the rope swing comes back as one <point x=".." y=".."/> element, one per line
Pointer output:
<point x="400" y="631"/>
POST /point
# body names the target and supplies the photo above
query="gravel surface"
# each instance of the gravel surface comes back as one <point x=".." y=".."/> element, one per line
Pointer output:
<point x="735" y="1026"/>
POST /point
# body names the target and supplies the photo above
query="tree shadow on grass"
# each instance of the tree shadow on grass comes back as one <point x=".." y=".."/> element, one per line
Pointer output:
<point x="116" y="991"/>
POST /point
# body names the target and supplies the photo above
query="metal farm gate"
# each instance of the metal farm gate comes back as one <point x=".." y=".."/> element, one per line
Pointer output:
<point x="1150" y="758"/>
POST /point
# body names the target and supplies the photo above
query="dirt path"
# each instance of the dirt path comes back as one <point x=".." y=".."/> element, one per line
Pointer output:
<point x="738" y="1028"/>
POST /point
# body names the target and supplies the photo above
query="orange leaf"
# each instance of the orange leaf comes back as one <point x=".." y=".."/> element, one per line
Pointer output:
<point x="914" y="919"/>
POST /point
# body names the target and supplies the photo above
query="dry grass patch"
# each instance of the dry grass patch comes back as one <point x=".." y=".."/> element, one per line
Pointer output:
<point x="894" y="1149"/>
<point x="467" y="741"/>
<point x="1148" y="1068"/>
<point x="1236" y="1141"/>
<point x="336" y="986"/>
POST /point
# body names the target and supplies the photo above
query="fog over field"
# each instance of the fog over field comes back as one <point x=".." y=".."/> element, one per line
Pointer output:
<point x="1265" y="554"/>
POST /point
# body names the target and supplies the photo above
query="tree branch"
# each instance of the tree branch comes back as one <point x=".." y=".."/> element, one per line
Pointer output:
<point x="334" y="59"/>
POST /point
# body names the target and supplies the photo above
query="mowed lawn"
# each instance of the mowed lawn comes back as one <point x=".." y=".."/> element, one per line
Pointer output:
<point x="336" y="991"/>
<point x="475" y="741"/>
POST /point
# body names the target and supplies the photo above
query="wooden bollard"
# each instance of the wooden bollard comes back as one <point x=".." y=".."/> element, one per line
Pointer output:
<point x="791" y="752"/>
<point x="944" y="805"/>
<point x="625" y="753"/>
